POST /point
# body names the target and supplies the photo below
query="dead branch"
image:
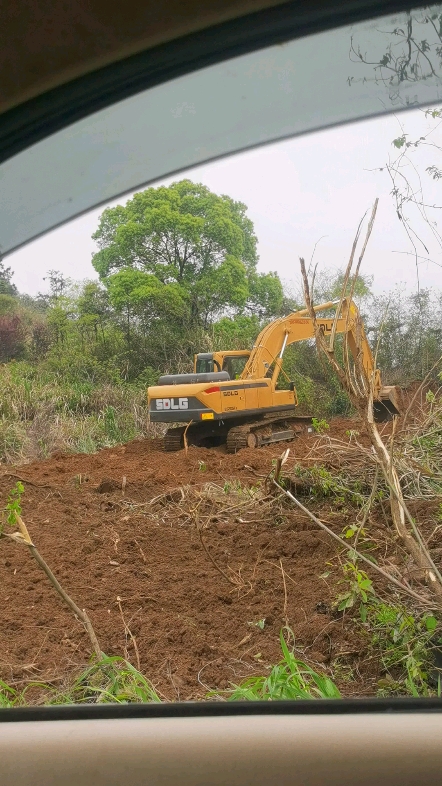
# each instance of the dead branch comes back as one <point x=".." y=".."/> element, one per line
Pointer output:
<point x="345" y="282"/>
<point x="419" y="389"/>
<point x="367" y="238"/>
<point x="422" y="600"/>
<point x="24" y="538"/>
<point x="128" y="632"/>
<point x="25" y="480"/>
<point x="285" y="592"/>
<point x="397" y="507"/>
<point x="368" y="508"/>
<point x="418" y="536"/>
<point x="215" y="564"/>
<point x="361" y="392"/>
<point x="186" y="445"/>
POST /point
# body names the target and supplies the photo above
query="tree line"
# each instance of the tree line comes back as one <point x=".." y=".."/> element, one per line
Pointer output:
<point x="178" y="274"/>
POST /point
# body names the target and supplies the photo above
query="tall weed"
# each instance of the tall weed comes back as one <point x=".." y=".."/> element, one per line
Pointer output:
<point x="290" y="679"/>
<point x="41" y="413"/>
<point x="111" y="681"/>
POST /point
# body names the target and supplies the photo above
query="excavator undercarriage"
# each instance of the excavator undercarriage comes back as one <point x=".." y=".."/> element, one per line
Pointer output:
<point x="276" y="427"/>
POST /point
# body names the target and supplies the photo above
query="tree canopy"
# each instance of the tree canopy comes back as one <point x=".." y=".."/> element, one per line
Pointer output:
<point x="183" y="253"/>
<point x="6" y="285"/>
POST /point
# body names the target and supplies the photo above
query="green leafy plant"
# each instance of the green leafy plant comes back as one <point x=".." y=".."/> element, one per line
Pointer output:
<point x="404" y="640"/>
<point x="13" y="505"/>
<point x="400" y="141"/>
<point x="111" y="681"/>
<point x="9" y="697"/>
<point x="290" y="679"/>
<point x="320" y="425"/>
<point x="324" y="483"/>
<point x="259" y="623"/>
<point x="359" y="590"/>
<point x="111" y="427"/>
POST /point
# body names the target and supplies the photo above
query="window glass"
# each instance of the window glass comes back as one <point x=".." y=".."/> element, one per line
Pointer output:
<point x="204" y="366"/>
<point x="170" y="512"/>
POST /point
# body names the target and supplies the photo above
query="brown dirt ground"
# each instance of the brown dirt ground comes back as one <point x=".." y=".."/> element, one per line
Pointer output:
<point x="194" y="631"/>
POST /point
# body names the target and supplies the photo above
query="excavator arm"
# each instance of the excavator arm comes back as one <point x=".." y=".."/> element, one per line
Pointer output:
<point x="268" y="350"/>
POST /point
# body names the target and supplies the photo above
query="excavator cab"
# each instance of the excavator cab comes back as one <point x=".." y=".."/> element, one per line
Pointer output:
<point x="205" y="364"/>
<point x="233" y="362"/>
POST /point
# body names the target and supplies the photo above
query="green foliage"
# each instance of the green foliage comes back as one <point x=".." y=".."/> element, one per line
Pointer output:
<point x="409" y="330"/>
<point x="320" y="426"/>
<point x="238" y="332"/>
<point x="58" y="285"/>
<point x="40" y="412"/>
<point x="404" y="640"/>
<point x="6" y="285"/>
<point x="359" y="588"/>
<point x="329" y="285"/>
<point x="110" y="681"/>
<point x="320" y="482"/>
<point x="266" y="297"/>
<point x="174" y="232"/>
<point x="115" y="681"/>
<point x="319" y="392"/>
<point x="291" y="679"/>
<point x="183" y="253"/>
<point x="111" y="426"/>
<point x="11" y="697"/>
<point x="8" y="304"/>
<point x="400" y="141"/>
<point x="13" y="506"/>
<point x="133" y="291"/>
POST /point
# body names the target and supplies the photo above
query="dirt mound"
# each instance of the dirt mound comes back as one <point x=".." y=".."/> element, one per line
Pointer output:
<point x="92" y="519"/>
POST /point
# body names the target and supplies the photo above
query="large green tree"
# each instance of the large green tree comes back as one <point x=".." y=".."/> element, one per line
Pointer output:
<point x="185" y="253"/>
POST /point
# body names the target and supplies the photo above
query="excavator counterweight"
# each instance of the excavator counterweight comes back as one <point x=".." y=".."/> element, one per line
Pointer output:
<point x="233" y="397"/>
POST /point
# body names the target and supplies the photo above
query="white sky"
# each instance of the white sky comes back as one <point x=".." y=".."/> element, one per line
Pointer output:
<point x="297" y="192"/>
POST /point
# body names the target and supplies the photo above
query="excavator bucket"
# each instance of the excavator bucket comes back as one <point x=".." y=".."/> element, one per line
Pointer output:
<point x="388" y="404"/>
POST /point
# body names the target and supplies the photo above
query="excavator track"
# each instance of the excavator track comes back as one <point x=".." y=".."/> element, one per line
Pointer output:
<point x="241" y="437"/>
<point x="173" y="439"/>
<point x="264" y="432"/>
<point x="273" y="427"/>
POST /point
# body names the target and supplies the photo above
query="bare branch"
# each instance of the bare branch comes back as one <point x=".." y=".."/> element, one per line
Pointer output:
<point x="422" y="600"/>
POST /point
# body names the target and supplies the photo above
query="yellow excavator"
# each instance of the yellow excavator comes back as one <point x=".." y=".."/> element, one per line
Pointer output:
<point x="233" y="398"/>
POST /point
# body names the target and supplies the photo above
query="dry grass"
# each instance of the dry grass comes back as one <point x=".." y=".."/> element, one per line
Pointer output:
<point x="40" y="414"/>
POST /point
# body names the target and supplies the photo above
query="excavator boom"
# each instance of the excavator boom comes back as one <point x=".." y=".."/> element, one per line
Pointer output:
<point x="233" y="397"/>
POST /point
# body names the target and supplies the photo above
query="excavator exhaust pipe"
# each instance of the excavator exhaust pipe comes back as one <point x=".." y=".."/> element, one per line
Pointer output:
<point x="388" y="404"/>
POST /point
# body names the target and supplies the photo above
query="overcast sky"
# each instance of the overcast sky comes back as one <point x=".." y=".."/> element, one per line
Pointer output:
<point x="298" y="192"/>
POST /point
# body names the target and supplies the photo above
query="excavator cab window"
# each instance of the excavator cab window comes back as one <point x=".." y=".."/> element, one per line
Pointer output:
<point x="234" y="365"/>
<point x="205" y="364"/>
